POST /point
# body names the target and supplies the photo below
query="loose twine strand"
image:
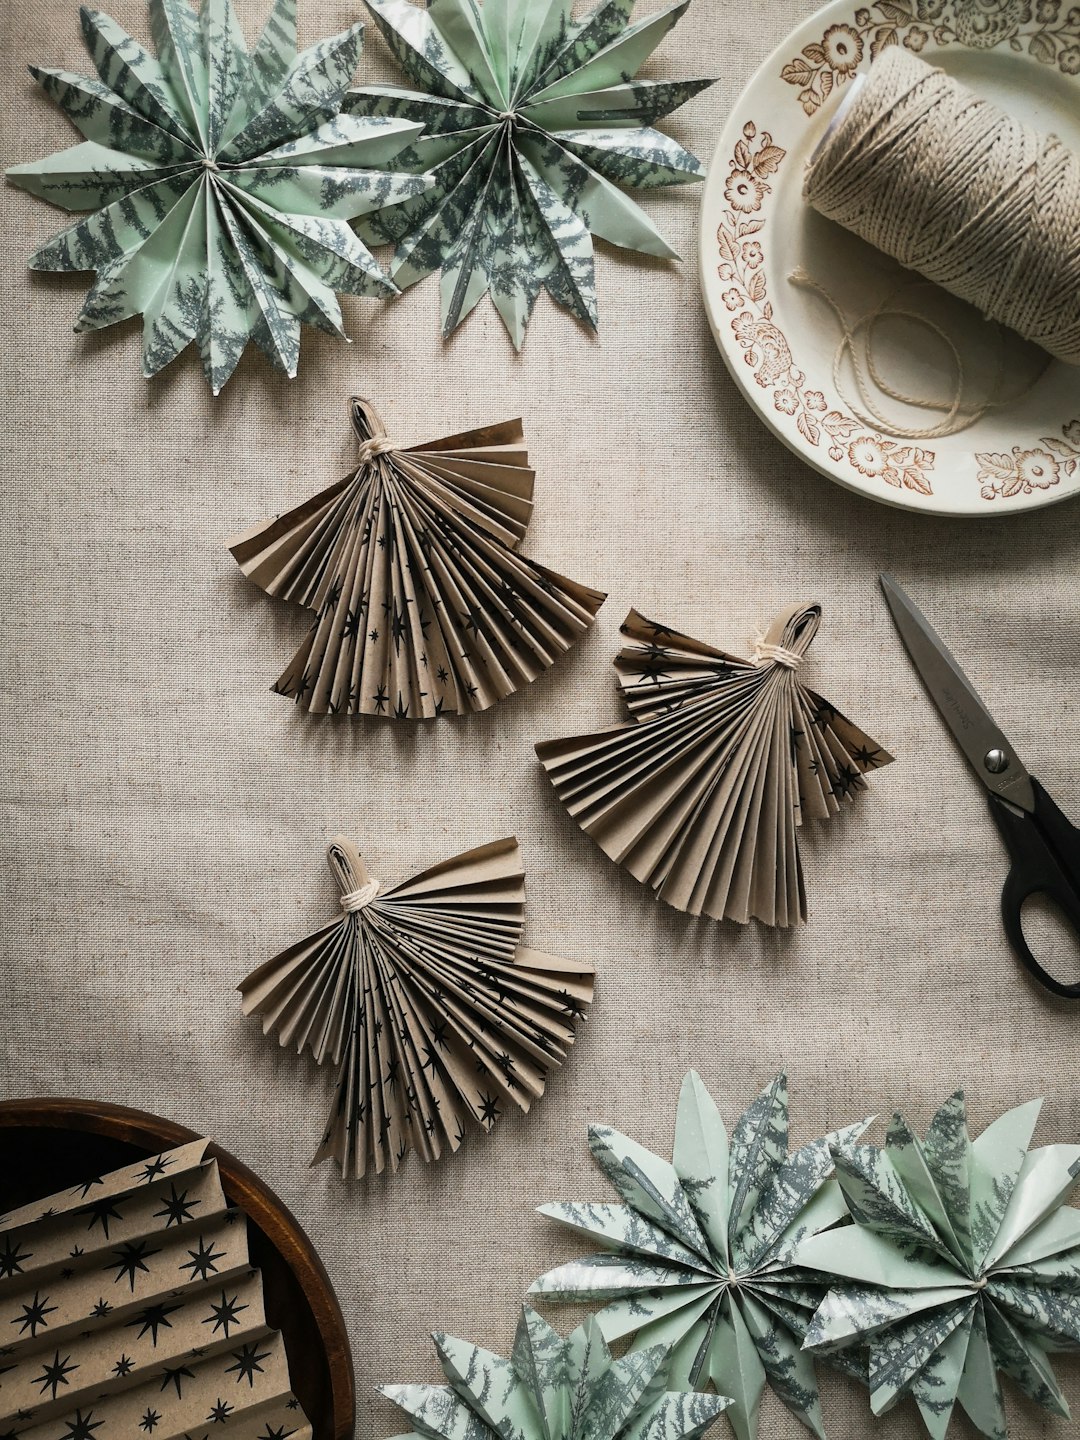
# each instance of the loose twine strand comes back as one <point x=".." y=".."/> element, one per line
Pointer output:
<point x="969" y="197"/>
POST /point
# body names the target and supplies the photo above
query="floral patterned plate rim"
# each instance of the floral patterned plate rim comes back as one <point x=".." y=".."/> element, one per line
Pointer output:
<point x="778" y="342"/>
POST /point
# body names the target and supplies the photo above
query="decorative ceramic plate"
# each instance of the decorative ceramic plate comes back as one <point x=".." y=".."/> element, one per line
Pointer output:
<point x="779" y="340"/>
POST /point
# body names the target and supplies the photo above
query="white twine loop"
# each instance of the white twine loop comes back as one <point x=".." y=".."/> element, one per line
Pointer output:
<point x="763" y="652"/>
<point x="378" y="445"/>
<point x="355" y="900"/>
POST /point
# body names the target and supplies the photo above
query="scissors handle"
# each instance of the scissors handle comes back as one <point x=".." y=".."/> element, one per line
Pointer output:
<point x="1045" y="850"/>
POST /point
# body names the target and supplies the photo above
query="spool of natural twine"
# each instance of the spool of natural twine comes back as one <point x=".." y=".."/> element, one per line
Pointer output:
<point x="956" y="189"/>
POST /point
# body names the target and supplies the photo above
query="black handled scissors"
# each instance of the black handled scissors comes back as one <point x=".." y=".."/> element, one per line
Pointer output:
<point x="1044" y="846"/>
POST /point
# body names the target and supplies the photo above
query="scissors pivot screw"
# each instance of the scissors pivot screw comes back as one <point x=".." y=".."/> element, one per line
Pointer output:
<point x="996" y="761"/>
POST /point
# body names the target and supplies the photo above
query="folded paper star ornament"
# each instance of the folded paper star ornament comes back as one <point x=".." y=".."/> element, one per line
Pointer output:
<point x="963" y="1262"/>
<point x="423" y="997"/>
<point x="702" y="1254"/>
<point x="533" y="124"/>
<point x="219" y="183"/>
<point x="553" y="1388"/>
<point x="701" y="794"/>
<point x="423" y="606"/>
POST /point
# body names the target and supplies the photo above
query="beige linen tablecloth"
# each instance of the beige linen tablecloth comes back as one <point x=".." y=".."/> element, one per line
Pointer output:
<point x="166" y="814"/>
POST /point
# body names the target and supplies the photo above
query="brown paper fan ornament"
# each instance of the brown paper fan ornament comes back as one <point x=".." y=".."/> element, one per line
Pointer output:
<point x="424" y="997"/>
<point x="701" y="793"/>
<point x="422" y="605"/>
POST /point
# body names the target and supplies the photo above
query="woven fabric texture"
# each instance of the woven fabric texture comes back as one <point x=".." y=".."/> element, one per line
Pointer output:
<point x="165" y="814"/>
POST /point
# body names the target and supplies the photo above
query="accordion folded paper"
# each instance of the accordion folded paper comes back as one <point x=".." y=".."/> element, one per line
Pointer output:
<point x="553" y="1388"/>
<point x="129" y="1305"/>
<point x="424" y="998"/>
<point x="701" y="794"/>
<point x="703" y="1253"/>
<point x="964" y="1261"/>
<point x="532" y="123"/>
<point x="221" y="183"/>
<point x="422" y="605"/>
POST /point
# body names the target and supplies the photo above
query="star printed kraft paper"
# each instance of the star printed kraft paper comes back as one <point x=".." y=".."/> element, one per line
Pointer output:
<point x="533" y="122"/>
<point x="220" y="183"/>
<point x="701" y="794"/>
<point x="131" y="1307"/>
<point x="422" y="605"/>
<point x="964" y="1262"/>
<point x="424" y="998"/>
<point x="553" y="1388"/>
<point x="703" y="1253"/>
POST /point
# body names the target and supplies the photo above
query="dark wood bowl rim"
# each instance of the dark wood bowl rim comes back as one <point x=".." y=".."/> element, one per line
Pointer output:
<point x="243" y="1187"/>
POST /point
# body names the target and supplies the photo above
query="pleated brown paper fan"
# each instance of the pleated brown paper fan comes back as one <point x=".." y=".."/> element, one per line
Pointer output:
<point x="422" y="605"/>
<point x="701" y="793"/>
<point x="424" y="997"/>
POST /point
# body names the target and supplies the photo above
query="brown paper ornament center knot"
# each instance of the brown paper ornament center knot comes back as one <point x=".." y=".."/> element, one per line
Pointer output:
<point x="779" y="654"/>
<point x="355" y="900"/>
<point x="377" y="445"/>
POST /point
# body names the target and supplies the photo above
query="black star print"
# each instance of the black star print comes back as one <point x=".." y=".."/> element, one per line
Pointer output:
<point x="824" y="715"/>
<point x="489" y="1110"/>
<point x="380" y="700"/>
<point x="391" y="1076"/>
<point x="82" y="1427"/>
<point x="459" y="1133"/>
<point x="123" y="1366"/>
<point x="152" y="1319"/>
<point x="303" y="685"/>
<point x="76" y="1252"/>
<point x="100" y="1213"/>
<point x="220" y="1412"/>
<point x="847" y="780"/>
<point x="223" y="1315"/>
<point x="84" y="1189"/>
<point x="470" y="690"/>
<point x="401" y="710"/>
<point x="130" y="1258"/>
<point x="442" y="674"/>
<point x="203" y="1260"/>
<point x="149" y="1420"/>
<point x="175" y="1209"/>
<point x="174" y="1377"/>
<point x="33" y="1316"/>
<point x="248" y="1359"/>
<point x="351" y="624"/>
<point x="438" y="1033"/>
<point x="866" y="758"/>
<point x="153" y="1168"/>
<point x="54" y="1375"/>
<point x="271" y="1434"/>
<point x="11" y="1257"/>
<point x="796" y="736"/>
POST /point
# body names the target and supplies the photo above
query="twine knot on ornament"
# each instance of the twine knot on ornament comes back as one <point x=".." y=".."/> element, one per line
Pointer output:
<point x="764" y="651"/>
<point x="355" y="900"/>
<point x="377" y="445"/>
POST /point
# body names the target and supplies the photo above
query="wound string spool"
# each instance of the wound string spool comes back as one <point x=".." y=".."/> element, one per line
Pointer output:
<point x="951" y="186"/>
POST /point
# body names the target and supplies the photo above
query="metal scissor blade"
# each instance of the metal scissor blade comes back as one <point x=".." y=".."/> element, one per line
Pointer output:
<point x="988" y="752"/>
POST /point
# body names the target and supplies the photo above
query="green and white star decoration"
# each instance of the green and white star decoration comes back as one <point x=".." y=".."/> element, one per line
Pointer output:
<point x="964" y="1262"/>
<point x="702" y="1254"/>
<point x="220" y="181"/>
<point x="553" y="1388"/>
<point x="532" y="122"/>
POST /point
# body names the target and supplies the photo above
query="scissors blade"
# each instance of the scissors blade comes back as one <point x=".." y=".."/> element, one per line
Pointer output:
<point x="971" y="723"/>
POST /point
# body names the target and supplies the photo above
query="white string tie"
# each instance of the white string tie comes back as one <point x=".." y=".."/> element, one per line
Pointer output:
<point x="356" y="900"/>
<point x="763" y="652"/>
<point x="378" y="445"/>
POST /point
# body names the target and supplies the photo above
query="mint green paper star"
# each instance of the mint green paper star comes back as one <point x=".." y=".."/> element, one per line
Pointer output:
<point x="553" y="1388"/>
<point x="963" y="1262"/>
<point x="220" y="181"/>
<point x="533" y="121"/>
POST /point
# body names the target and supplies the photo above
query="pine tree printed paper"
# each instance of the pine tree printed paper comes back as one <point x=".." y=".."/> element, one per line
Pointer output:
<point x="553" y="1388"/>
<point x="426" y="1001"/>
<point x="423" y="606"/>
<point x="965" y="1262"/>
<point x="701" y="795"/>
<point x="220" y="181"/>
<point x="701" y="1256"/>
<point x="533" y="120"/>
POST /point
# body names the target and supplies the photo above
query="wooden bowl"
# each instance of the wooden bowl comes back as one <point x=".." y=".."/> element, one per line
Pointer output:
<point x="50" y="1144"/>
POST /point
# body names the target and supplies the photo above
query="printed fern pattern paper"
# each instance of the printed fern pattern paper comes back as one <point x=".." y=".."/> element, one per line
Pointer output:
<point x="702" y="1255"/>
<point x="220" y="183"/>
<point x="554" y="1388"/>
<point x="534" y="127"/>
<point x="965" y="1263"/>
